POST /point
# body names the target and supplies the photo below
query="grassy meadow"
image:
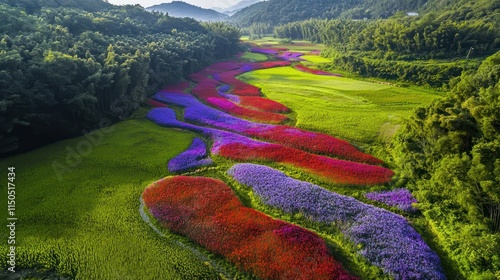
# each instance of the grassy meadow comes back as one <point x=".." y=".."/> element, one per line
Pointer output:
<point x="315" y="59"/>
<point x="254" y="56"/>
<point x="87" y="224"/>
<point x="359" y="111"/>
<point x="297" y="46"/>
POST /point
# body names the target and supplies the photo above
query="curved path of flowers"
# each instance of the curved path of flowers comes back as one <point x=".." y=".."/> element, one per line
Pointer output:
<point x="246" y="127"/>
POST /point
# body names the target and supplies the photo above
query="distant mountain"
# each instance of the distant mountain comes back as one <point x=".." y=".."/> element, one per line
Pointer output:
<point x="238" y="6"/>
<point x="275" y="12"/>
<point x="181" y="9"/>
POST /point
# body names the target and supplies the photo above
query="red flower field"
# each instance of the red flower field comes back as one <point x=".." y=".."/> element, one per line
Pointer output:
<point x="208" y="212"/>
<point x="330" y="169"/>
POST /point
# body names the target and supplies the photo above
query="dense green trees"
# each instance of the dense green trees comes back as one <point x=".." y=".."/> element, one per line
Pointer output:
<point x="404" y="37"/>
<point x="399" y="48"/>
<point x="430" y="73"/>
<point x="64" y="70"/>
<point x="449" y="155"/>
<point x="278" y="12"/>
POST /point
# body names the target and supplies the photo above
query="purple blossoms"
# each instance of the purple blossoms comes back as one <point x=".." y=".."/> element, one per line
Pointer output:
<point x="384" y="238"/>
<point x="194" y="156"/>
<point x="400" y="198"/>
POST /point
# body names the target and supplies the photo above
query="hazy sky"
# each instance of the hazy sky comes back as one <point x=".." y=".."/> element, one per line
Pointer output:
<point x="200" y="3"/>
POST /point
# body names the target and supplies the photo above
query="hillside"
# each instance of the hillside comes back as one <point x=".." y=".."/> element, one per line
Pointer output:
<point x="81" y="70"/>
<point x="238" y="6"/>
<point x="182" y="9"/>
<point x="276" y="12"/>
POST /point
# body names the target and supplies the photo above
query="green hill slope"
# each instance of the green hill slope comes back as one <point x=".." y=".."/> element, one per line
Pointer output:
<point x="275" y="12"/>
<point x="181" y="9"/>
<point x="66" y="68"/>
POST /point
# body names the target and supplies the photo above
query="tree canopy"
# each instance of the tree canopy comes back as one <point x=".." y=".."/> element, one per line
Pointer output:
<point x="63" y="70"/>
<point x="449" y="155"/>
<point x="277" y="12"/>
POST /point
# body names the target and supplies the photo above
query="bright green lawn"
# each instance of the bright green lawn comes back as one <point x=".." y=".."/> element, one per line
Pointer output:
<point x="254" y="56"/>
<point x="275" y="42"/>
<point x="88" y="224"/>
<point x="350" y="109"/>
<point x="316" y="59"/>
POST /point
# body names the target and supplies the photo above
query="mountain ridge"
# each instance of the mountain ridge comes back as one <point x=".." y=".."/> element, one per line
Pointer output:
<point x="183" y="9"/>
<point x="276" y="12"/>
<point x="239" y="6"/>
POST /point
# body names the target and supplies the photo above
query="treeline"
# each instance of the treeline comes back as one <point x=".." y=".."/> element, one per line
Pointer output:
<point x="278" y="12"/>
<point x="399" y="48"/>
<point x="448" y="154"/>
<point x="430" y="73"/>
<point x="64" y="70"/>
<point x="403" y="38"/>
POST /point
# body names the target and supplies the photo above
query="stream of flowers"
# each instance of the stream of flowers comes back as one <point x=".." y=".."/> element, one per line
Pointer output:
<point x="246" y="127"/>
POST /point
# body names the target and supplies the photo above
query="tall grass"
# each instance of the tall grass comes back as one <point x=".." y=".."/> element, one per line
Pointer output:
<point x="88" y="226"/>
<point x="359" y="111"/>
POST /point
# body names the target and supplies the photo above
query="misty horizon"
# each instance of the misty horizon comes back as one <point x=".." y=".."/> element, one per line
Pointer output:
<point x="218" y="4"/>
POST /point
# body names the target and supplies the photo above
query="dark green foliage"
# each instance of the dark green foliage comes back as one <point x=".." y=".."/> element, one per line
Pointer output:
<point x="65" y="70"/>
<point x="406" y="38"/>
<point x="258" y="29"/>
<point x="276" y="12"/>
<point x="449" y="155"/>
<point x="429" y="73"/>
<point x="395" y="49"/>
<point x="464" y="10"/>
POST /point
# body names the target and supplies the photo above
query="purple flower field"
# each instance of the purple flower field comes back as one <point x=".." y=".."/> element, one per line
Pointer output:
<point x="264" y="51"/>
<point x="400" y="198"/>
<point x="290" y="56"/>
<point x="195" y="156"/>
<point x="386" y="239"/>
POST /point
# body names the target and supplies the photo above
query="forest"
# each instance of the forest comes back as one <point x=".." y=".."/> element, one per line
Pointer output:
<point x="278" y="12"/>
<point x="448" y="154"/>
<point x="425" y="50"/>
<point x="66" y="69"/>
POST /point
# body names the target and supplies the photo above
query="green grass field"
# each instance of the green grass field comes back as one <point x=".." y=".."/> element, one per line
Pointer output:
<point x="354" y="110"/>
<point x="254" y="56"/>
<point x="88" y="225"/>
<point x="316" y="59"/>
<point x="275" y="43"/>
